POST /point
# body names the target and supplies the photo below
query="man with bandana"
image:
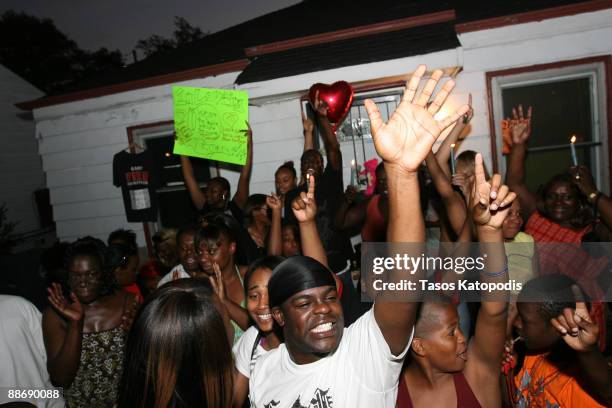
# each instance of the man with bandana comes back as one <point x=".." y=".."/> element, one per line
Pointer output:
<point x="322" y="364"/>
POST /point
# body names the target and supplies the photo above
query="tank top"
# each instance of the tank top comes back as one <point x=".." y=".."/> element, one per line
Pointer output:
<point x="100" y="366"/>
<point x="238" y="332"/>
<point x="375" y="226"/>
<point x="465" y="396"/>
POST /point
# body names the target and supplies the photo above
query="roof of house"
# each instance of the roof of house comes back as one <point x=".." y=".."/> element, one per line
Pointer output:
<point x="302" y="19"/>
<point x="314" y="35"/>
<point x="361" y="50"/>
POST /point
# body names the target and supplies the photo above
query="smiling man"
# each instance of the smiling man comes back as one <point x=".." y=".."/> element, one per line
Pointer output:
<point x="322" y="364"/>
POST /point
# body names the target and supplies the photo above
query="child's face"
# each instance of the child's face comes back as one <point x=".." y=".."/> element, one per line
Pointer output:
<point x="257" y="303"/>
<point x="464" y="168"/>
<point x="291" y="245"/>
<point x="513" y="223"/>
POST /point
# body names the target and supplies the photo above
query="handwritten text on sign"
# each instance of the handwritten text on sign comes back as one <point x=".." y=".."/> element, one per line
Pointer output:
<point x="209" y="123"/>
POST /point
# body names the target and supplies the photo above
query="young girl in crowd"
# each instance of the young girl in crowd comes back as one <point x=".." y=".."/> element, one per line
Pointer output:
<point x="179" y="351"/>
<point x="85" y="335"/>
<point x="124" y="265"/>
<point x="261" y="337"/>
<point x="291" y="245"/>
<point x="216" y="247"/>
<point x="285" y="179"/>
<point x="257" y="224"/>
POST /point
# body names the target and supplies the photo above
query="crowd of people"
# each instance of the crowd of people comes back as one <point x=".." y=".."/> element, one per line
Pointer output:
<point x="261" y="303"/>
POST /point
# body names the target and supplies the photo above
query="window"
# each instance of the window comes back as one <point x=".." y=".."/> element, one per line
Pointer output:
<point x="354" y="132"/>
<point x="174" y="202"/>
<point x="567" y="100"/>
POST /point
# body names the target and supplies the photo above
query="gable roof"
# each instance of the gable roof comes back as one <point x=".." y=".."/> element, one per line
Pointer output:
<point x="315" y="35"/>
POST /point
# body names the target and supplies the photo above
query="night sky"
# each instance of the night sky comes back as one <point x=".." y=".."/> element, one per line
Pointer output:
<point x="119" y="24"/>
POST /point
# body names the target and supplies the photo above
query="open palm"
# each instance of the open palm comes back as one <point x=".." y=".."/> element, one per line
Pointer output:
<point x="520" y="124"/>
<point x="71" y="311"/>
<point x="407" y="137"/>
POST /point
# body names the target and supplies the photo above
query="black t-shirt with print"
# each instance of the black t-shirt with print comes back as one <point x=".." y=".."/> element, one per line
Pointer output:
<point x="138" y="176"/>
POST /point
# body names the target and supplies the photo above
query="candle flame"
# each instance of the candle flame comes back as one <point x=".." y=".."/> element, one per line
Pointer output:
<point x="573" y="139"/>
<point x="452" y="145"/>
<point x="353" y="162"/>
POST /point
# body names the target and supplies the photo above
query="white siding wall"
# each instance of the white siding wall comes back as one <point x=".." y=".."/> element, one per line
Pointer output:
<point x="20" y="166"/>
<point x="79" y="139"/>
<point x="77" y="144"/>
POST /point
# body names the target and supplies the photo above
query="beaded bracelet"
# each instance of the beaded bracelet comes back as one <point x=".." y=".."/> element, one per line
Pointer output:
<point x="497" y="274"/>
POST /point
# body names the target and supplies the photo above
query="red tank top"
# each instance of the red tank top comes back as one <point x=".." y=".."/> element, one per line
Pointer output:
<point x="465" y="396"/>
<point x="375" y="226"/>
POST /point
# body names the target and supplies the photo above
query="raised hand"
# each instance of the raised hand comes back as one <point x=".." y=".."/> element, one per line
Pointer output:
<point x="304" y="206"/>
<point x="576" y="326"/>
<point x="581" y="176"/>
<point x="467" y="117"/>
<point x="350" y="194"/>
<point x="406" y="139"/>
<point x="464" y="183"/>
<point x="320" y="106"/>
<point x="248" y="131"/>
<point x="71" y="311"/>
<point x="490" y="200"/>
<point x="216" y="281"/>
<point x="274" y="202"/>
<point x="307" y="123"/>
<point x="520" y="126"/>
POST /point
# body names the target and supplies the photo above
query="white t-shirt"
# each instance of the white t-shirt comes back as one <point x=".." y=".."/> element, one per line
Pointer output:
<point x="243" y="350"/>
<point x="178" y="272"/>
<point x="22" y="352"/>
<point x="362" y="372"/>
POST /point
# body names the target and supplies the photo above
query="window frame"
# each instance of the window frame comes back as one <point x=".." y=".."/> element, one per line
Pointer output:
<point x="598" y="69"/>
<point x="137" y="135"/>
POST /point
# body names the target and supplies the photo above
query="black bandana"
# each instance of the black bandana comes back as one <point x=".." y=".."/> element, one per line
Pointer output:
<point x="294" y="275"/>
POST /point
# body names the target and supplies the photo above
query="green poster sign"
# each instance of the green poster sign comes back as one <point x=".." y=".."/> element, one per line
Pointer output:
<point x="209" y="123"/>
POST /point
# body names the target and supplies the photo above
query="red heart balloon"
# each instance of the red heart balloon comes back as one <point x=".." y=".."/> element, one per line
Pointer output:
<point x="338" y="97"/>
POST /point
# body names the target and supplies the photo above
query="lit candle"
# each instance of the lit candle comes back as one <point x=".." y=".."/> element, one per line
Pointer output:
<point x="353" y="172"/>
<point x="573" y="149"/>
<point x="452" y="157"/>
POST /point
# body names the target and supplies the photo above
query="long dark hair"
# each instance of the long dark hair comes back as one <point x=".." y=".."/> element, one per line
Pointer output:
<point x="178" y="353"/>
<point x="96" y="250"/>
<point x="254" y="202"/>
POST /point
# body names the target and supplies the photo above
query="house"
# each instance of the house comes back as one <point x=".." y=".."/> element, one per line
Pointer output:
<point x="21" y="172"/>
<point x="502" y="53"/>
